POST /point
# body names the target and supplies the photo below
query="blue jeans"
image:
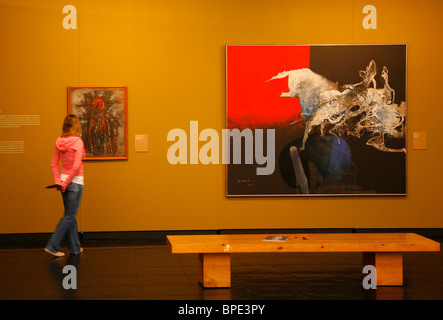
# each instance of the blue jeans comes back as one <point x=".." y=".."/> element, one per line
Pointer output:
<point x="67" y="227"/>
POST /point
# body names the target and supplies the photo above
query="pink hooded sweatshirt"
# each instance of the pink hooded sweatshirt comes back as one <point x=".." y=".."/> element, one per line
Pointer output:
<point x="71" y="151"/>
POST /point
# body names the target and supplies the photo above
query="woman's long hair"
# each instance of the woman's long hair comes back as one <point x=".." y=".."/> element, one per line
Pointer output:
<point x="71" y="126"/>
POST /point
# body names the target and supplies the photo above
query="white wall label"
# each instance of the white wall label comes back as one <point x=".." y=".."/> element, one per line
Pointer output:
<point x="12" y="147"/>
<point x="19" y="120"/>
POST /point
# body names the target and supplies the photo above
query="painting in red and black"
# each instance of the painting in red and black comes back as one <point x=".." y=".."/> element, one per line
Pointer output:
<point x="338" y="113"/>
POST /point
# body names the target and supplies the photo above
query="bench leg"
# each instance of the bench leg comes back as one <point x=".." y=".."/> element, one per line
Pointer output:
<point x="389" y="266"/>
<point x="215" y="270"/>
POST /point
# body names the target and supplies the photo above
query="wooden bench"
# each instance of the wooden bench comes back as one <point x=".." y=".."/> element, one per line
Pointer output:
<point x="382" y="250"/>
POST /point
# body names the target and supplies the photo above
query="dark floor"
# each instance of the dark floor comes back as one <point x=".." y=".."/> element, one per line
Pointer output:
<point x="153" y="273"/>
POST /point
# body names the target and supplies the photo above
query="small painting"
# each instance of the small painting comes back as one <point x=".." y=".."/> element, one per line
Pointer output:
<point x="103" y="114"/>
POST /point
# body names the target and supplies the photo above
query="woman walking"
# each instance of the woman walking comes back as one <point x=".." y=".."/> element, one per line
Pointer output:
<point x="70" y="150"/>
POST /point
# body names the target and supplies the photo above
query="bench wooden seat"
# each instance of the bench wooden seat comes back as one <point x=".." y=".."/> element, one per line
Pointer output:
<point x="382" y="250"/>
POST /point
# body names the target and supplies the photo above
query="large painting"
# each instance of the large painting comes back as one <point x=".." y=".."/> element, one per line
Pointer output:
<point x="334" y="115"/>
<point x="103" y="114"/>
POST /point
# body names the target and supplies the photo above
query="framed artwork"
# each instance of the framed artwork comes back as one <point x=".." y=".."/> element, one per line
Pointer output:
<point x="334" y="114"/>
<point x="103" y="114"/>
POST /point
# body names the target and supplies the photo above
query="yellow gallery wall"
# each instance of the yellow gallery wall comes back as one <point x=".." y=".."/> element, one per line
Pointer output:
<point x="171" y="56"/>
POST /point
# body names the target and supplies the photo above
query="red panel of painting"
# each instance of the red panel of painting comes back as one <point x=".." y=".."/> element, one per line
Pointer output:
<point x="251" y="98"/>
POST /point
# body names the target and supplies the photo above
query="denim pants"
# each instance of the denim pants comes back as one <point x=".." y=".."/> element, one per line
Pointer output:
<point x="67" y="227"/>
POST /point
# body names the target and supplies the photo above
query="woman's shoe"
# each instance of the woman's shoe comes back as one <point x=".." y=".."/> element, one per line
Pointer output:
<point x="56" y="254"/>
<point x="79" y="251"/>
